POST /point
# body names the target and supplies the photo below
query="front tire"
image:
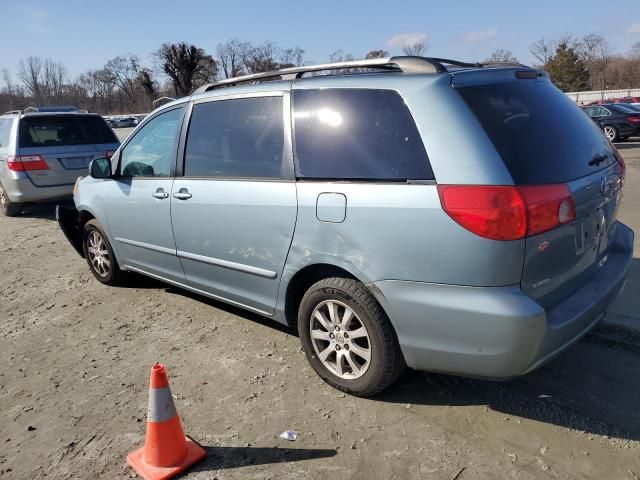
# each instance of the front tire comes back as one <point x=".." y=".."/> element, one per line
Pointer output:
<point x="9" y="208"/>
<point x="347" y="337"/>
<point x="99" y="254"/>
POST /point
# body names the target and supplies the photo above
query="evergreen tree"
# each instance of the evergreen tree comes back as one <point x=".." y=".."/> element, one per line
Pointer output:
<point x="567" y="70"/>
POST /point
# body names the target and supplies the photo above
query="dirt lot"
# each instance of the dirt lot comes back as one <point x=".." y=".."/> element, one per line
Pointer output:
<point x="76" y="355"/>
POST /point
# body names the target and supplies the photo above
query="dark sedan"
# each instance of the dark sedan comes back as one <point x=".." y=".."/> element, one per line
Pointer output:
<point x="617" y="121"/>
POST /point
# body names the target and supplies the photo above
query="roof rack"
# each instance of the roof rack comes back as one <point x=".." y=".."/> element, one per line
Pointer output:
<point x="162" y="100"/>
<point x="406" y="64"/>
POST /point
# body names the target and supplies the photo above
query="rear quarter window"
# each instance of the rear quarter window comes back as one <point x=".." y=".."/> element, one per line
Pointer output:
<point x="356" y="134"/>
<point x="63" y="130"/>
<point x="541" y="134"/>
<point x="5" y="130"/>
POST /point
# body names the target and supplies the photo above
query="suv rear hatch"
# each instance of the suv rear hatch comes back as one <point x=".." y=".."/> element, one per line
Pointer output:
<point x="545" y="140"/>
<point x="54" y="150"/>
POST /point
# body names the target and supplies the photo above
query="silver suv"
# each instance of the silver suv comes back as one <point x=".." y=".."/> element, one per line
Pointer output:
<point x="451" y="217"/>
<point x="42" y="153"/>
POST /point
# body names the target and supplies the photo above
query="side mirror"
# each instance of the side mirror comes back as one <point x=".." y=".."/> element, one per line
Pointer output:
<point x="100" y="168"/>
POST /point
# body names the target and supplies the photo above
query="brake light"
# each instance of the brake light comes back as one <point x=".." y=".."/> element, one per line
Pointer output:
<point x="25" y="163"/>
<point x="108" y="154"/>
<point x="633" y="119"/>
<point x="508" y="212"/>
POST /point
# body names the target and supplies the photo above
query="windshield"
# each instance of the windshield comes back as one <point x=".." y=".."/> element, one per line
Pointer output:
<point x="62" y="130"/>
<point x="540" y="133"/>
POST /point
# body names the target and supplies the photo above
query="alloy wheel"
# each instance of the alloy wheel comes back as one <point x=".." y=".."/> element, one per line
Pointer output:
<point x="610" y="133"/>
<point x="340" y="339"/>
<point x="98" y="254"/>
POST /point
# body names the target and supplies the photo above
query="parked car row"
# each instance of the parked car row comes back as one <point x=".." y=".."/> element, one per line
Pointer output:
<point x="43" y="151"/>
<point x="124" y="122"/>
<point x="618" y="121"/>
<point x="631" y="100"/>
<point x="451" y="217"/>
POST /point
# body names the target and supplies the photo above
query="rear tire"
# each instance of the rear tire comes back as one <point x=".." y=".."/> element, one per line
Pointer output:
<point x="353" y="346"/>
<point x="9" y="208"/>
<point x="99" y="254"/>
<point x="611" y="133"/>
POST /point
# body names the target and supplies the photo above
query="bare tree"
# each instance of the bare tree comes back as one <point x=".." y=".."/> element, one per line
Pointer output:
<point x="376" y="54"/>
<point x="634" y="51"/>
<point x="502" y="56"/>
<point x="595" y="51"/>
<point x="187" y="65"/>
<point x="54" y="79"/>
<point x="415" y="48"/>
<point x="291" y="57"/>
<point x="30" y="73"/>
<point x="125" y="71"/>
<point x="340" y="56"/>
<point x="262" y="58"/>
<point x="543" y="50"/>
<point x="10" y="89"/>
<point x="230" y="55"/>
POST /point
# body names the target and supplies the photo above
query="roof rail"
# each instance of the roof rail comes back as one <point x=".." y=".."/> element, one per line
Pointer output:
<point x="162" y="99"/>
<point x="406" y="64"/>
<point x="12" y="112"/>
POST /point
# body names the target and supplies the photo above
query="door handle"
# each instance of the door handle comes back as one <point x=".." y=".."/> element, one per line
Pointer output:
<point x="182" y="194"/>
<point x="160" y="193"/>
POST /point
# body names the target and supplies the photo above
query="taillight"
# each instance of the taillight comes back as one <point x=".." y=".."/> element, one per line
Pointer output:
<point x="633" y="119"/>
<point x="108" y="154"/>
<point x="548" y="207"/>
<point x="508" y="212"/>
<point x="25" y="163"/>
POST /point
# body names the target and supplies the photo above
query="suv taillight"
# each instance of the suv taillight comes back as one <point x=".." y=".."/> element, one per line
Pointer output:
<point x="24" y="163"/>
<point x="507" y="212"/>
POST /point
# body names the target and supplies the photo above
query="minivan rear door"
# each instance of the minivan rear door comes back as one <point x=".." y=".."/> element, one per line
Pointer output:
<point x="544" y="138"/>
<point x="67" y="143"/>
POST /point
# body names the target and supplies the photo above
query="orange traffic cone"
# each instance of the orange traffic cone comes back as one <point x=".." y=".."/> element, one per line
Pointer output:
<point x="166" y="450"/>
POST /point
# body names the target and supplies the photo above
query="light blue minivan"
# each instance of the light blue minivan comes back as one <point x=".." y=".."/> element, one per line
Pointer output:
<point x="452" y="217"/>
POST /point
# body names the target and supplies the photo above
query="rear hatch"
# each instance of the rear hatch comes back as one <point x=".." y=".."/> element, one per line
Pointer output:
<point x="544" y="139"/>
<point x="65" y="143"/>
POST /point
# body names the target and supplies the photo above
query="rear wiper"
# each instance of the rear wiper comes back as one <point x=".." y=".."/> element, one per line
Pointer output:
<point x="597" y="160"/>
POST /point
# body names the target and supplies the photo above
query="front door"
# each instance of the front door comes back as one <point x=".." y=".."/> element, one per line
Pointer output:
<point x="139" y="206"/>
<point x="234" y="210"/>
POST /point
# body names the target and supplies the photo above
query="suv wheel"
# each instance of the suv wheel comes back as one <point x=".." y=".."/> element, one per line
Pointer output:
<point x="99" y="254"/>
<point x="611" y="133"/>
<point x="348" y="338"/>
<point x="9" y="209"/>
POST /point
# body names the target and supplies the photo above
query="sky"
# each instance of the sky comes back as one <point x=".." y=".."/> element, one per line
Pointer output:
<point x="85" y="34"/>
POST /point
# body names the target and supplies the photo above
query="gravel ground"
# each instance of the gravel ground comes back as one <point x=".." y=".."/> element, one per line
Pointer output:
<point x="76" y="355"/>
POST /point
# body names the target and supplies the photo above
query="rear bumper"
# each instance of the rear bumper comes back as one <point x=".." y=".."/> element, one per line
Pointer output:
<point x="496" y="332"/>
<point x="21" y="190"/>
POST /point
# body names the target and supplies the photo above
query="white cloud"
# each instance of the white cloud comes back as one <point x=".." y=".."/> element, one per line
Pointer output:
<point x="481" y="36"/>
<point x="635" y="28"/>
<point x="409" y="38"/>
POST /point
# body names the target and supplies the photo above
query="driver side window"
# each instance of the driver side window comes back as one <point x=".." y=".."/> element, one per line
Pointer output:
<point x="151" y="152"/>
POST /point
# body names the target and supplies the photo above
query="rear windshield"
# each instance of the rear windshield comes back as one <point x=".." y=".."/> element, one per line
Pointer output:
<point x="541" y="134"/>
<point x="61" y="130"/>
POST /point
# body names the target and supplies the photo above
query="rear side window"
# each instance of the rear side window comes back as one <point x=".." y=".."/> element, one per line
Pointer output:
<point x="357" y="134"/>
<point x="541" y="134"/>
<point x="236" y="138"/>
<point x="5" y="129"/>
<point x="62" y="130"/>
